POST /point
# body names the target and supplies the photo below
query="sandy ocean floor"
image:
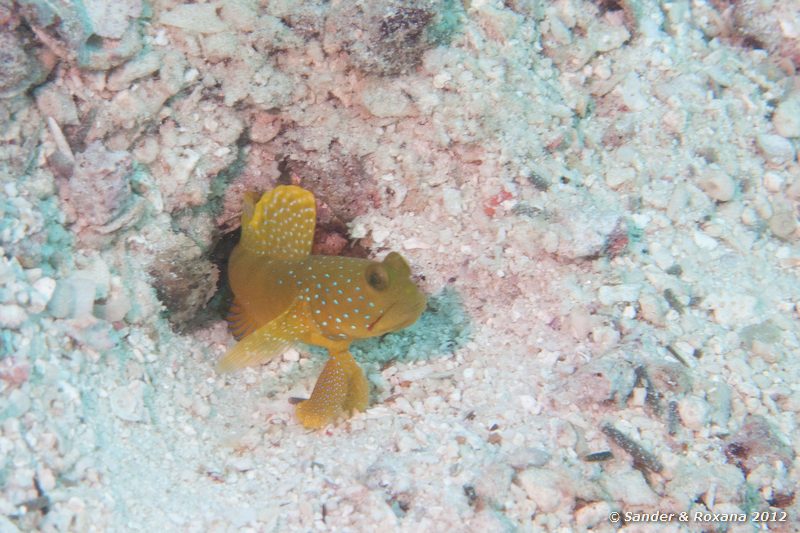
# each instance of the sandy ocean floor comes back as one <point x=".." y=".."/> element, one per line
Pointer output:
<point x="599" y="197"/>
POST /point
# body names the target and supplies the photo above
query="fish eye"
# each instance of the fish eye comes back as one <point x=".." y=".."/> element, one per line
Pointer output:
<point x="377" y="278"/>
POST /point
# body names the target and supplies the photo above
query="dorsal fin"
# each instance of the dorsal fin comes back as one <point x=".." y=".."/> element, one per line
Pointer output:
<point x="281" y="224"/>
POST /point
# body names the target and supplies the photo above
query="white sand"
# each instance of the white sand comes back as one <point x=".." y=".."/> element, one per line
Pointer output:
<point x="613" y="196"/>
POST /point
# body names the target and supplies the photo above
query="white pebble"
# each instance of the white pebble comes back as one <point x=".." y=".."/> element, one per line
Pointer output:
<point x="591" y="515"/>
<point x="629" y="487"/>
<point x="793" y="189"/>
<point x="42" y="293"/>
<point x="775" y="149"/>
<point x="605" y="337"/>
<point x="783" y="224"/>
<point x="441" y="79"/>
<point x="653" y="308"/>
<point x="12" y="316"/>
<point x="616" y="177"/>
<point x="694" y="412"/>
<point x="787" y="117"/>
<point x="194" y="18"/>
<point x="541" y="486"/>
<point x="201" y="407"/>
<point x="72" y="298"/>
<point x="415" y="373"/>
<point x="6" y="271"/>
<point x="611" y="294"/>
<point x="704" y="241"/>
<point x="380" y="234"/>
<point x="608" y="37"/>
<point x="128" y="402"/>
<point x="773" y="181"/>
<point x="769" y="352"/>
<point x="718" y="185"/>
<point x="530" y="404"/>
<point x="22" y="297"/>
<point x="19" y="402"/>
<point x="749" y="216"/>
<point x="385" y="100"/>
<point x="137" y="68"/>
<point x="116" y="307"/>
<point x="47" y="480"/>
<point x="663" y="258"/>
<point x="730" y="309"/>
<point x="763" y="206"/>
<point x="414" y="243"/>
<point x="638" y="397"/>
<point x="398" y="193"/>
<point x="452" y="201"/>
<point x="631" y="90"/>
<point x="21" y="478"/>
<point x="405" y="443"/>
<point x="719" y="400"/>
<point x="242" y="464"/>
<point x="291" y="355"/>
<point x="358" y="230"/>
<point x="579" y="323"/>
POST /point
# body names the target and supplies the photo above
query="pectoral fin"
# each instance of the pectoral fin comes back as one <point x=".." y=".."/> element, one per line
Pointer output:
<point x="268" y="341"/>
<point x="240" y="323"/>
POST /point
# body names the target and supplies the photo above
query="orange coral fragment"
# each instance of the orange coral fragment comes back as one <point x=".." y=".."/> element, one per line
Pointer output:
<point x="490" y="207"/>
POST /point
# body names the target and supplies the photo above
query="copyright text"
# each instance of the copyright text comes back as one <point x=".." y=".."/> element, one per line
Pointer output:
<point x="696" y="516"/>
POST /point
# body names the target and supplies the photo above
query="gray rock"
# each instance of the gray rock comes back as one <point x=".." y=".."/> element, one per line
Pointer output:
<point x="19" y="66"/>
<point x="385" y="37"/>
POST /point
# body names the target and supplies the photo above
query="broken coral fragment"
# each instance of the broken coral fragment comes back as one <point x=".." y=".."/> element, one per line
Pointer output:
<point x="112" y="19"/>
<point x="194" y="18"/>
<point x="757" y="443"/>
<point x="98" y="199"/>
<point x="19" y="66"/>
<point x="385" y="37"/>
<point x="384" y="99"/>
<point x="127" y="402"/>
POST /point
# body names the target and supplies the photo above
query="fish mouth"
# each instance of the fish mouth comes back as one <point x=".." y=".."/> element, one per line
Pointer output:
<point x="412" y="315"/>
<point x="417" y="310"/>
<point x="372" y="325"/>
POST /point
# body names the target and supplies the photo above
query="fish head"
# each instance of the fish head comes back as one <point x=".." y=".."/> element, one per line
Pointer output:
<point x="361" y="299"/>
<point x="397" y="297"/>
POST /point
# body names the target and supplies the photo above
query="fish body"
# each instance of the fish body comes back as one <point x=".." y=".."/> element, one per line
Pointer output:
<point x="285" y="295"/>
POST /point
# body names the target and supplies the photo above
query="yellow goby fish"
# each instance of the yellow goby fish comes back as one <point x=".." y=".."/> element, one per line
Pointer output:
<point x="283" y="295"/>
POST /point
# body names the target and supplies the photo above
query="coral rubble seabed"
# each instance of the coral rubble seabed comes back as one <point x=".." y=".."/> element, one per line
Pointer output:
<point x="601" y="199"/>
